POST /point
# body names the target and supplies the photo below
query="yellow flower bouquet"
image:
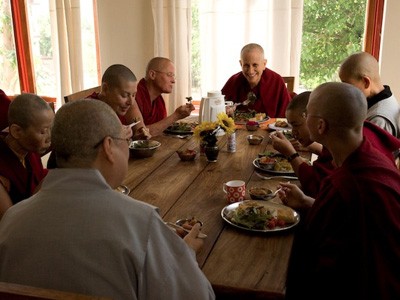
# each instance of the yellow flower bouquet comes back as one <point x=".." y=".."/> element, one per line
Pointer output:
<point x="206" y="132"/>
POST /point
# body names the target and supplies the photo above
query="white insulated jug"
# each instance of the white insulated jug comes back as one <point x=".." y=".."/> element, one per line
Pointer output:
<point x="211" y="106"/>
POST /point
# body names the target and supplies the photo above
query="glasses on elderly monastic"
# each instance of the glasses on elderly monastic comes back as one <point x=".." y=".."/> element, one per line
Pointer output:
<point x="114" y="138"/>
<point x="169" y="74"/>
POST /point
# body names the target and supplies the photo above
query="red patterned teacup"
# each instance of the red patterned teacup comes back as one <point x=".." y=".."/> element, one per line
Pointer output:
<point x="235" y="190"/>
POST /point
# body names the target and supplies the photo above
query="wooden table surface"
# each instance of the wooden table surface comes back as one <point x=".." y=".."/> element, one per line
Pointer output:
<point x="239" y="263"/>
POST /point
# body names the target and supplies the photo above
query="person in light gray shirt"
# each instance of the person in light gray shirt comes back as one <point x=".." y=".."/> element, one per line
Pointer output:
<point x="361" y="69"/>
<point x="78" y="234"/>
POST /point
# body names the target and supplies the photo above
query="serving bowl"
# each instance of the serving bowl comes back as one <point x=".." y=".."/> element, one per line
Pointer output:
<point x="260" y="193"/>
<point x="255" y="139"/>
<point x="187" y="155"/>
<point x="143" y="148"/>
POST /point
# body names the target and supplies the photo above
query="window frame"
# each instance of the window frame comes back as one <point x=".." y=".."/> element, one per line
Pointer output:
<point x="26" y="71"/>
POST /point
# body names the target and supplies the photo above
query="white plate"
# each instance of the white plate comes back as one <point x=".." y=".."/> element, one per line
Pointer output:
<point x="257" y="165"/>
<point x="225" y="211"/>
<point x="273" y="127"/>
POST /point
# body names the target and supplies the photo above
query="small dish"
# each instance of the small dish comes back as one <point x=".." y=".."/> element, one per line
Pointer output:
<point x="188" y="221"/>
<point x="255" y="139"/>
<point x="267" y="163"/>
<point x="260" y="193"/>
<point x="187" y="155"/>
<point x="252" y="125"/>
<point x="123" y="189"/>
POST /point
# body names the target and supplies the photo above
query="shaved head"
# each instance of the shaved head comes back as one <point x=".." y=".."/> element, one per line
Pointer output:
<point x="158" y="63"/>
<point x="25" y="108"/>
<point x="115" y="74"/>
<point x="252" y="47"/>
<point x="76" y="138"/>
<point x="342" y="105"/>
<point x="359" y="65"/>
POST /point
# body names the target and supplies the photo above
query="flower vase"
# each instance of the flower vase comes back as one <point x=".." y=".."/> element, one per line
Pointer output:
<point x="211" y="153"/>
<point x="203" y="145"/>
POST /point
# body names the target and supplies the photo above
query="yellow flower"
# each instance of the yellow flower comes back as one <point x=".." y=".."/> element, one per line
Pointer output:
<point x="226" y="123"/>
<point x="203" y="128"/>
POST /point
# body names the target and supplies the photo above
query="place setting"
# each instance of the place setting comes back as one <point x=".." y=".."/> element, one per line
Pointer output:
<point x="181" y="130"/>
<point x="259" y="214"/>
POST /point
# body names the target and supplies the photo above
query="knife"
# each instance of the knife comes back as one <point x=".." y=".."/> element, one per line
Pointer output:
<point x="278" y="176"/>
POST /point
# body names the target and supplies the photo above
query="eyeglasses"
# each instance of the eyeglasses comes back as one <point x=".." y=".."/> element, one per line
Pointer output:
<point x="114" y="138"/>
<point x="169" y="74"/>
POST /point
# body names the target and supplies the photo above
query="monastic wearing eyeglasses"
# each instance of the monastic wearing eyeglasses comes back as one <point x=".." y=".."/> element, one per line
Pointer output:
<point x="78" y="234"/>
<point x="160" y="78"/>
<point x="265" y="88"/>
<point x="348" y="243"/>
<point x="311" y="176"/>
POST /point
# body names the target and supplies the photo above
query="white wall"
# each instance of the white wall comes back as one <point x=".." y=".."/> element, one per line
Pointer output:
<point x="125" y="34"/>
<point x="390" y="46"/>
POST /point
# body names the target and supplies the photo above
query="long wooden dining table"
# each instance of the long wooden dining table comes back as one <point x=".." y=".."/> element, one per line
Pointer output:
<point x="240" y="264"/>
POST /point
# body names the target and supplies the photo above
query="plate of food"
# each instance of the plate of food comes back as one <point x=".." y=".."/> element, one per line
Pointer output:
<point x="280" y="124"/>
<point x="260" y="216"/>
<point x="180" y="128"/>
<point x="277" y="165"/>
<point x="242" y="117"/>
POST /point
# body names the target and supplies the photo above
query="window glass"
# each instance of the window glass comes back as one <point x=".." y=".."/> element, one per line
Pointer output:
<point x="42" y="38"/>
<point x="9" y="80"/>
<point x="41" y="47"/>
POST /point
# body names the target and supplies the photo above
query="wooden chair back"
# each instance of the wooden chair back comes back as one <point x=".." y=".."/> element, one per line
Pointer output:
<point x="289" y="80"/>
<point x="12" y="291"/>
<point x="81" y="94"/>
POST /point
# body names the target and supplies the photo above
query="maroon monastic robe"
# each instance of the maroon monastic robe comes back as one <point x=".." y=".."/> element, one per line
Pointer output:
<point x="311" y="176"/>
<point x="271" y="92"/>
<point x="152" y="111"/>
<point x="23" y="181"/>
<point x="348" y="245"/>
<point x="4" y="104"/>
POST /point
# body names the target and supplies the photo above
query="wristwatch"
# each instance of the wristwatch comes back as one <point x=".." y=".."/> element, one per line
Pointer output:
<point x="292" y="156"/>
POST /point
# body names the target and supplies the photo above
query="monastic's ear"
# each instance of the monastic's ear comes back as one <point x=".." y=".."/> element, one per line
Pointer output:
<point x="366" y="82"/>
<point x="322" y="126"/>
<point x="16" y="131"/>
<point x="104" y="87"/>
<point x="152" y="74"/>
<point x="240" y="62"/>
<point x="108" y="149"/>
<point x="265" y="62"/>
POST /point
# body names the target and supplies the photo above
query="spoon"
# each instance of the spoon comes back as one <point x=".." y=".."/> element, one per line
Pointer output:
<point x="245" y="102"/>
<point x="133" y="124"/>
<point x="276" y="192"/>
